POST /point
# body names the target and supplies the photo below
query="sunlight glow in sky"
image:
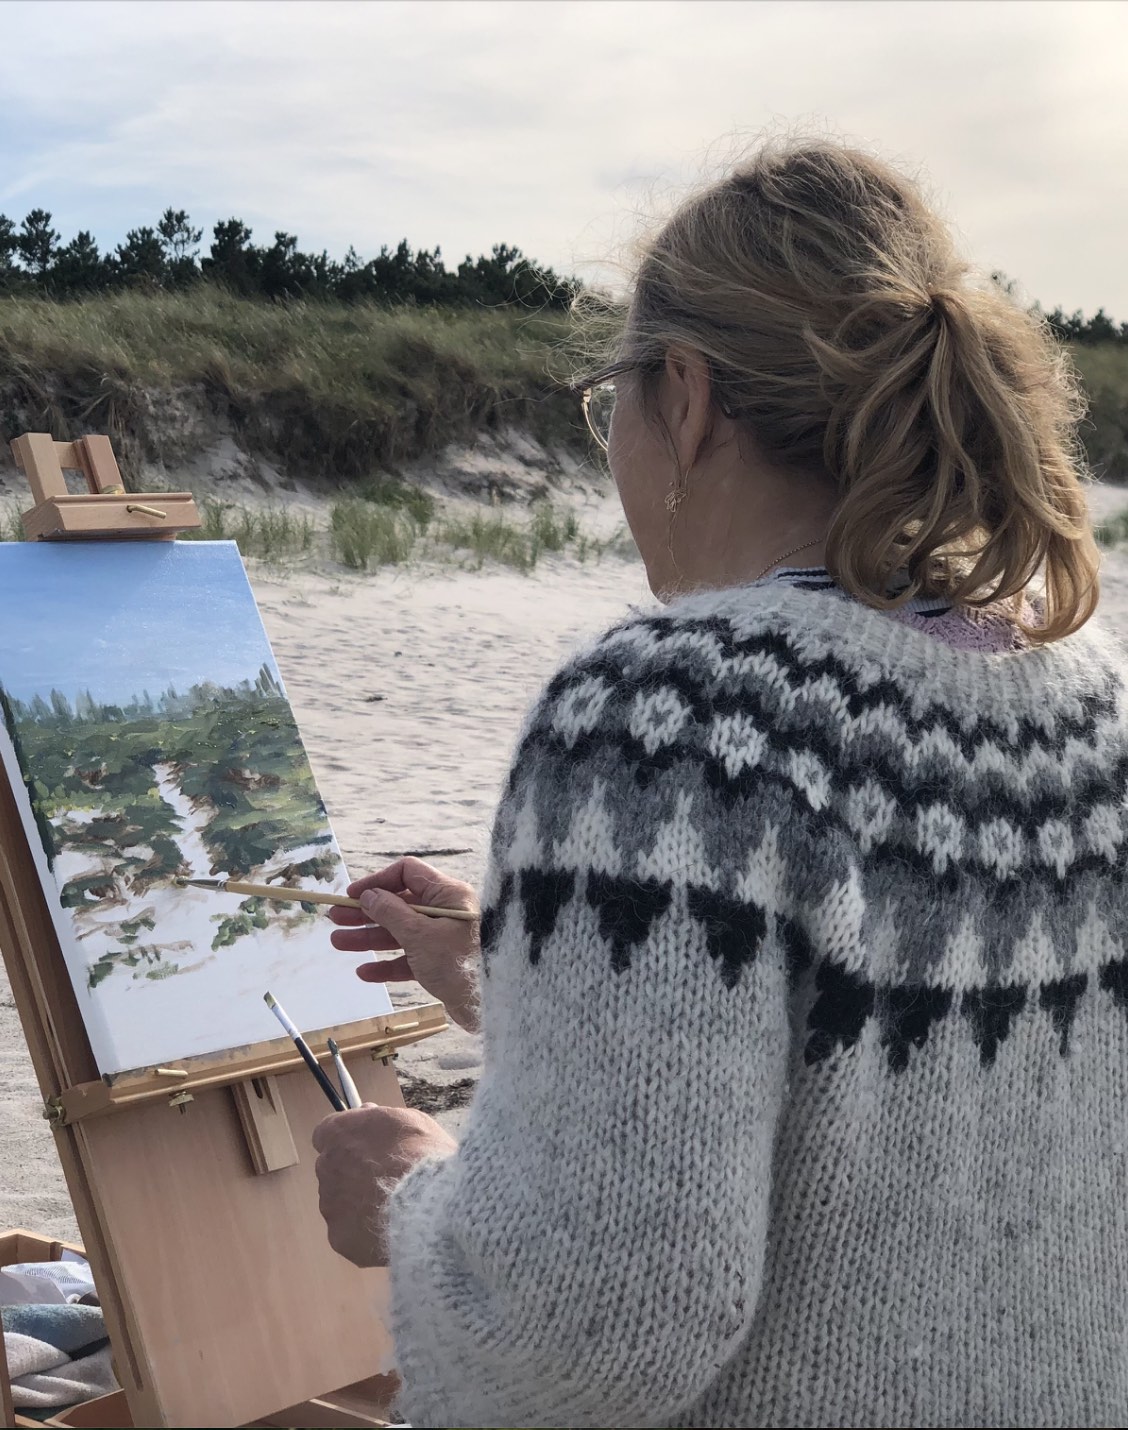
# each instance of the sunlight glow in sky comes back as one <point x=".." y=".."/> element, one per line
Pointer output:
<point x="558" y="126"/>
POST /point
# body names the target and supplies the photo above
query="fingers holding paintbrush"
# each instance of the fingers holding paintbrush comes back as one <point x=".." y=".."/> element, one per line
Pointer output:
<point x="420" y="885"/>
<point x="415" y="885"/>
<point x="440" y="954"/>
<point x="365" y="937"/>
<point x="348" y="1087"/>
<point x="346" y="916"/>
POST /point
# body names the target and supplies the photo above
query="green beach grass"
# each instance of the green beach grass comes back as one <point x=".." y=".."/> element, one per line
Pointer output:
<point x="335" y="393"/>
<point x="1104" y="372"/>
<point x="364" y="534"/>
<point x="331" y="391"/>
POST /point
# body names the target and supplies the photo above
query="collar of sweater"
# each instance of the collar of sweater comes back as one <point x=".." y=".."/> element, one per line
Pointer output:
<point x="818" y="578"/>
<point x="820" y="631"/>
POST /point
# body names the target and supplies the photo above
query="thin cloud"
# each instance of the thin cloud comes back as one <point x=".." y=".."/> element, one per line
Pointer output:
<point x="557" y="126"/>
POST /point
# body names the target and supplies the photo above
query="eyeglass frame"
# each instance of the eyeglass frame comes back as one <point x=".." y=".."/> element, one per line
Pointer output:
<point x="616" y="369"/>
<point x="588" y="386"/>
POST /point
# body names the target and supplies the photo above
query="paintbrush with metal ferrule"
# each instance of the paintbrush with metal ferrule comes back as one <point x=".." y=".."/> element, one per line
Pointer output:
<point x="312" y="896"/>
<point x="348" y="1087"/>
<point x="339" y="1104"/>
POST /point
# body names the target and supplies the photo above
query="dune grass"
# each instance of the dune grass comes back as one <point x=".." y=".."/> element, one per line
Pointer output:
<point x="1113" y="530"/>
<point x="1104" y="372"/>
<point x="551" y="530"/>
<point x="414" y="502"/>
<point x="362" y="535"/>
<point x="11" y="528"/>
<point x="489" y="538"/>
<point x="334" y="392"/>
<point x="388" y="526"/>
<point x="521" y="544"/>
<point x="329" y="390"/>
<point x="342" y="350"/>
<point x="369" y="531"/>
<point x="270" y="533"/>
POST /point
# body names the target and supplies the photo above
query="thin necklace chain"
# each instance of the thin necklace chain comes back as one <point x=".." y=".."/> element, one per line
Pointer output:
<point x="773" y="564"/>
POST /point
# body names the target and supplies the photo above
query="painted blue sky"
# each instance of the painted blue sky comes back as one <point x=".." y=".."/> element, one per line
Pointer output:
<point x="116" y="618"/>
<point x="560" y="125"/>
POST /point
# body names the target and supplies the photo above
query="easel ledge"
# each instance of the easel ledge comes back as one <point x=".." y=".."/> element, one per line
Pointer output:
<point x="382" y="1035"/>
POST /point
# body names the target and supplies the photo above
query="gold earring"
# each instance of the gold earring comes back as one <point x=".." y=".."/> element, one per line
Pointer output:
<point x="677" y="494"/>
<point x="674" y="499"/>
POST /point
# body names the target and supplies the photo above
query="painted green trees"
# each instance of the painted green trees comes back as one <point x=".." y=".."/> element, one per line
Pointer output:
<point x="129" y="798"/>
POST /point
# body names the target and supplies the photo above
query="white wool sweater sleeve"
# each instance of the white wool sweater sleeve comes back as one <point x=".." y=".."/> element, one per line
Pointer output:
<point x="593" y="1252"/>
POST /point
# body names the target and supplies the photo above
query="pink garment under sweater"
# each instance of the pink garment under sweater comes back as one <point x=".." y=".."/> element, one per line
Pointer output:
<point x="989" y="628"/>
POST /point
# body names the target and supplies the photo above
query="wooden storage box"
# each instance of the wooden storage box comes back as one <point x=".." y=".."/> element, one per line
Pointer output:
<point x="106" y="1412"/>
<point x="360" y="1404"/>
<point x="101" y="518"/>
<point x="363" y="1404"/>
<point x="105" y="510"/>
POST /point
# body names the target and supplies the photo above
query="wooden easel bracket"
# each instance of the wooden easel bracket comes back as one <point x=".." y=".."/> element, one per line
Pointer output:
<point x="107" y="510"/>
<point x="380" y="1036"/>
<point x="266" y="1129"/>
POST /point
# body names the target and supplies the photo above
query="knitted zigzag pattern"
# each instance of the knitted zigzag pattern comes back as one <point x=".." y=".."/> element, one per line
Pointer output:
<point x="929" y="861"/>
<point x="806" y="1057"/>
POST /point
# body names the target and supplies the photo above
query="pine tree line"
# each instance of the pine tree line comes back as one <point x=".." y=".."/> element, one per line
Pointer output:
<point x="57" y="711"/>
<point x="33" y="260"/>
<point x="167" y="257"/>
<point x="1076" y="328"/>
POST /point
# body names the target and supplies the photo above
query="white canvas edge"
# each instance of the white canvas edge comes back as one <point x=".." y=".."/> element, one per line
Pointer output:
<point x="96" y="1030"/>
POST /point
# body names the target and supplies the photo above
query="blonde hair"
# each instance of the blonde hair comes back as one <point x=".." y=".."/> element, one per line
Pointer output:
<point x="843" y="328"/>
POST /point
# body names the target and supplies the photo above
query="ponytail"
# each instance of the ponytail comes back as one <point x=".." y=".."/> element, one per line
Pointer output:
<point x="843" y="329"/>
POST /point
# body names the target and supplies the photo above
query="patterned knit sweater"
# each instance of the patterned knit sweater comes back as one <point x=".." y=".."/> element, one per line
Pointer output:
<point x="805" y="1012"/>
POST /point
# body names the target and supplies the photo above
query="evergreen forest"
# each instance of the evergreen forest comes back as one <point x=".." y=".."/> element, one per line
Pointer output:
<point x="35" y="260"/>
<point x="104" y="780"/>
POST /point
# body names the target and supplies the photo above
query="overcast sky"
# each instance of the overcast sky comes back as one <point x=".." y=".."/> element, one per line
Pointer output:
<point x="558" y="125"/>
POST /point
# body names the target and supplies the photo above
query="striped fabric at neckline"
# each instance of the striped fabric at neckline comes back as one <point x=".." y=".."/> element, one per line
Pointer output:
<point x="818" y="578"/>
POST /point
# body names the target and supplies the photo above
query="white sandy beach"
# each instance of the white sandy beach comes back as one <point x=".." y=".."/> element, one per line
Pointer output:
<point x="409" y="686"/>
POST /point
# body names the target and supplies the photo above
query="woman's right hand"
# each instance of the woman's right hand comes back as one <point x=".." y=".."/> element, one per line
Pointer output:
<point x="440" y="954"/>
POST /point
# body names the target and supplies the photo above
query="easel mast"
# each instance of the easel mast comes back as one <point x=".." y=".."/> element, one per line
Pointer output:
<point x="193" y="1184"/>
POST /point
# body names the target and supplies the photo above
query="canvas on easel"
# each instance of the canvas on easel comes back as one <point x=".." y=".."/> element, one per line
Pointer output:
<point x="193" y="1183"/>
<point x="155" y="743"/>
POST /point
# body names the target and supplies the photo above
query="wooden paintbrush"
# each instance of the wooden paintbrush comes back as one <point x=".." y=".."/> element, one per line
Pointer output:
<point x="312" y="896"/>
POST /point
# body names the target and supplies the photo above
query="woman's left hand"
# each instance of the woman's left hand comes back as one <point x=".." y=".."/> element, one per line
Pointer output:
<point x="362" y="1155"/>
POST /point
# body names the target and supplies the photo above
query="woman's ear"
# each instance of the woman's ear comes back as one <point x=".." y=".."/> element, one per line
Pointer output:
<point x="688" y="402"/>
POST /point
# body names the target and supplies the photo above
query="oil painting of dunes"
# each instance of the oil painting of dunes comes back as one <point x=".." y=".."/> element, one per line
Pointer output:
<point x="148" y="737"/>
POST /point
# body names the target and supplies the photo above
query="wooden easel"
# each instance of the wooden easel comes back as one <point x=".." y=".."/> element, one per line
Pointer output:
<point x="106" y="510"/>
<point x="193" y="1186"/>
